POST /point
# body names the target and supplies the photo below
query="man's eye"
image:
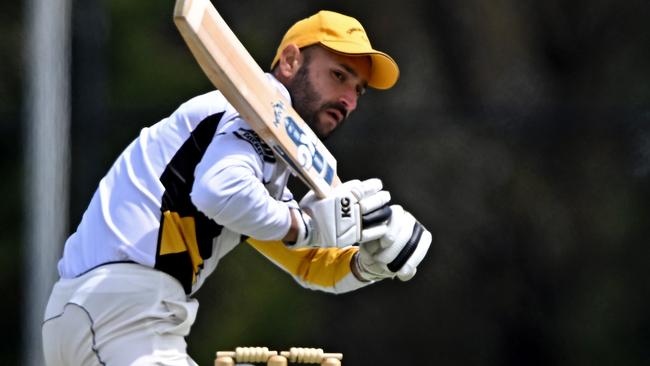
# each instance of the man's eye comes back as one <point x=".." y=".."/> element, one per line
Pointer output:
<point x="338" y="75"/>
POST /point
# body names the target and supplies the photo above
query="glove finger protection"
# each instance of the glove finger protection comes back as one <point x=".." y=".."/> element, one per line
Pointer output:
<point x="398" y="252"/>
<point x="338" y="220"/>
<point x="374" y="223"/>
<point x="409" y="268"/>
<point x="377" y="216"/>
<point x="364" y="189"/>
<point x="374" y="209"/>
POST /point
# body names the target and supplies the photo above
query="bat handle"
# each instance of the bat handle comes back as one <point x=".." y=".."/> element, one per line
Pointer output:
<point x="336" y="181"/>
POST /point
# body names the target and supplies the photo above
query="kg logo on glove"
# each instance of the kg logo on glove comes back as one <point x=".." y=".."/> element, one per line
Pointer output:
<point x="345" y="207"/>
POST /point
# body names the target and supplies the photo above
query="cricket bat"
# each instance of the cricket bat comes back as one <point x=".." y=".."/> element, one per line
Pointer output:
<point x="234" y="72"/>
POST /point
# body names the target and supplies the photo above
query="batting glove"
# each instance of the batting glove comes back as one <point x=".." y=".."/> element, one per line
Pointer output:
<point x="397" y="253"/>
<point x="356" y="212"/>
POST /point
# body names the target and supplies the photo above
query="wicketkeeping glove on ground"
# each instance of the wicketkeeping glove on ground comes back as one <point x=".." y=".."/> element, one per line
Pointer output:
<point x="397" y="253"/>
<point x="355" y="213"/>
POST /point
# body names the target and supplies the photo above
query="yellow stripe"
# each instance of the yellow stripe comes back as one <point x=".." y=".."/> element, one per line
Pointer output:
<point x="179" y="235"/>
<point x="172" y="235"/>
<point x="319" y="266"/>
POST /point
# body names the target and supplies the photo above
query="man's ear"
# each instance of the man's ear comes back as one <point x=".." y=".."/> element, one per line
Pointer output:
<point x="291" y="60"/>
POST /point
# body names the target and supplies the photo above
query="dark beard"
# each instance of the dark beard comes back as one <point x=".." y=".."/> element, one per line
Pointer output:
<point x="305" y="101"/>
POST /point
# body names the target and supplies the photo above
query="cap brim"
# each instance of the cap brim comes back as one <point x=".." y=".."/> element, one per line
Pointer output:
<point x="384" y="72"/>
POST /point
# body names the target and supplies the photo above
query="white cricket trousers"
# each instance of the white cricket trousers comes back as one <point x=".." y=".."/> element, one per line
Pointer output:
<point x="117" y="315"/>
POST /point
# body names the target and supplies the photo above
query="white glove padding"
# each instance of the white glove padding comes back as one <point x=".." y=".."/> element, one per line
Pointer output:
<point x="398" y="253"/>
<point x="356" y="212"/>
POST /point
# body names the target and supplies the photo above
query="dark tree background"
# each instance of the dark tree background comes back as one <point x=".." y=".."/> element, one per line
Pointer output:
<point x="519" y="134"/>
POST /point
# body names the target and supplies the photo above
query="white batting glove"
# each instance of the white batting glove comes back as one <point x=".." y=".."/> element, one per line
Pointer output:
<point x="396" y="254"/>
<point x="356" y="212"/>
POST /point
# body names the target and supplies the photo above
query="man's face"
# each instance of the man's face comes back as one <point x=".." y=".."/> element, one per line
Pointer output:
<point x="326" y="88"/>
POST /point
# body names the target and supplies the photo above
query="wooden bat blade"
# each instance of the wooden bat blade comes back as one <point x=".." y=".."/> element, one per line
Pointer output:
<point x="235" y="73"/>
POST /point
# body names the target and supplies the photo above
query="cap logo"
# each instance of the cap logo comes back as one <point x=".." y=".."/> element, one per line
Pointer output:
<point x="362" y="35"/>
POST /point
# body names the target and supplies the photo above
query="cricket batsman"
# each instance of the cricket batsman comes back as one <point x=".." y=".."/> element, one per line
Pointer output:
<point x="193" y="186"/>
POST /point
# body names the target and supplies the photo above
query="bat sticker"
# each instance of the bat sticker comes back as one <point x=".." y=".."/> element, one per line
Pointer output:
<point x="308" y="154"/>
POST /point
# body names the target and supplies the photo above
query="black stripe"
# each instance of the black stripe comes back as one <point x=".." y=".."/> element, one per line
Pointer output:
<point x="377" y="216"/>
<point x="178" y="178"/>
<point x="408" y="249"/>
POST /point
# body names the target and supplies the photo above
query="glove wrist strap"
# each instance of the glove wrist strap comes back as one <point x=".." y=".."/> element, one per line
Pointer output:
<point x="357" y="271"/>
<point x="305" y="232"/>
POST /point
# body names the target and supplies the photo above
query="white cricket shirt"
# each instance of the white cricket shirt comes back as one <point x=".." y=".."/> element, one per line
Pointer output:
<point x="186" y="191"/>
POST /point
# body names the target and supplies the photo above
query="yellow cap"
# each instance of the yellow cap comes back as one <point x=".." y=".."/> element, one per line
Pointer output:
<point x="345" y="35"/>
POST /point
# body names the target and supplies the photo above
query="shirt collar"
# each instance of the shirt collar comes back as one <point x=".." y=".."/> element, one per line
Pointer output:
<point x="279" y="86"/>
